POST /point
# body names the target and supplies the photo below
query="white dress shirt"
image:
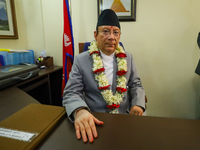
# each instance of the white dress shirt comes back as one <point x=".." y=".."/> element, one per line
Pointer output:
<point x="108" y="65"/>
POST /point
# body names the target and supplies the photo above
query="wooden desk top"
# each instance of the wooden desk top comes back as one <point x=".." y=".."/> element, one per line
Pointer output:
<point x="12" y="100"/>
<point x="42" y="72"/>
<point x="49" y="70"/>
<point x="122" y="132"/>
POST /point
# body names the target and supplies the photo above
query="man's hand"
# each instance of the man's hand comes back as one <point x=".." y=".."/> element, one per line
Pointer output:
<point x="136" y="110"/>
<point x="85" y="125"/>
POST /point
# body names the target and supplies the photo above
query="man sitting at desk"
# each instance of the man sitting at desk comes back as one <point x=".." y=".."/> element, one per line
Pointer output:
<point x="103" y="79"/>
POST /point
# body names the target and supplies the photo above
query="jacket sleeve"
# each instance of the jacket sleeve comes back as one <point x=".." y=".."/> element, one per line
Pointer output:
<point x="73" y="98"/>
<point x="136" y="91"/>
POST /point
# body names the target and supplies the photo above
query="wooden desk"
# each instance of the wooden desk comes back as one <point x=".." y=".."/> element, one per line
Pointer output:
<point x="12" y="100"/>
<point x="119" y="132"/>
<point x="46" y="87"/>
<point x="123" y="132"/>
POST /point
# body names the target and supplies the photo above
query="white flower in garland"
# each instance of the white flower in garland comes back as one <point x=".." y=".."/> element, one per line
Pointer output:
<point x="97" y="62"/>
<point x="101" y="77"/>
<point x="113" y="101"/>
<point x="122" y="64"/>
<point x="121" y="82"/>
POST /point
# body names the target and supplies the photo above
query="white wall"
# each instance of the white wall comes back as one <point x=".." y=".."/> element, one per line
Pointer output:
<point x="162" y="41"/>
<point x="34" y="25"/>
<point x="53" y="28"/>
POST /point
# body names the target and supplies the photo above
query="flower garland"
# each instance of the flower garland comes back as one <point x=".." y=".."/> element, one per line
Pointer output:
<point x="113" y="101"/>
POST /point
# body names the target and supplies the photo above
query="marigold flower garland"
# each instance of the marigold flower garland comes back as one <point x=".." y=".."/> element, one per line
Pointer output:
<point x="113" y="101"/>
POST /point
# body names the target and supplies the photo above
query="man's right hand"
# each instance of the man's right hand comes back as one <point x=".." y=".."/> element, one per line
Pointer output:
<point x="85" y="125"/>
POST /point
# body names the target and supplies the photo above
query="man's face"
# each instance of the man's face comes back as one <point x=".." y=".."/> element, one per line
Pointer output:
<point x="107" y="38"/>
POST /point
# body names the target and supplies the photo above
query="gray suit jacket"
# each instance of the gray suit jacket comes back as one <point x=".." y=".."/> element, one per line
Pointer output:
<point x="82" y="89"/>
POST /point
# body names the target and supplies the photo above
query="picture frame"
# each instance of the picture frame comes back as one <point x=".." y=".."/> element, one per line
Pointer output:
<point x="125" y="9"/>
<point x="8" y="24"/>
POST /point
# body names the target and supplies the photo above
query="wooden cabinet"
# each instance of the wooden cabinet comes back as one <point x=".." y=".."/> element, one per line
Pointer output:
<point x="45" y="88"/>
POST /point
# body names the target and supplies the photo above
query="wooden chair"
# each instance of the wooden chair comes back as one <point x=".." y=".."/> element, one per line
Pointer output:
<point x="81" y="46"/>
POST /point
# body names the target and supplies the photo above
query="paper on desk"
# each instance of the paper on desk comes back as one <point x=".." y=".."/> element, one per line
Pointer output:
<point x="17" y="135"/>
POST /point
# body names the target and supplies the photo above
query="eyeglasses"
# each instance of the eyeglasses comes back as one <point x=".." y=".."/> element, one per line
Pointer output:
<point x="108" y="32"/>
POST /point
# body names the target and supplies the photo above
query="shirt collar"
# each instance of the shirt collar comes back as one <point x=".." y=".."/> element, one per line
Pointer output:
<point x="104" y="56"/>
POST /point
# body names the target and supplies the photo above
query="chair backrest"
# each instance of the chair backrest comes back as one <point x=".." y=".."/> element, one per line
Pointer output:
<point x="84" y="46"/>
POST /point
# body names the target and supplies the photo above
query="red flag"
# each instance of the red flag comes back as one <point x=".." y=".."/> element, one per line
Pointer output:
<point x="68" y="44"/>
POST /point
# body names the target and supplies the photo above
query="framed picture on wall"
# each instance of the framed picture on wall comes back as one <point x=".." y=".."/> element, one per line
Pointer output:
<point x="8" y="25"/>
<point x="125" y="9"/>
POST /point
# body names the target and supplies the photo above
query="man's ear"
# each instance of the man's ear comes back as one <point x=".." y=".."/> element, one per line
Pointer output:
<point x="95" y="35"/>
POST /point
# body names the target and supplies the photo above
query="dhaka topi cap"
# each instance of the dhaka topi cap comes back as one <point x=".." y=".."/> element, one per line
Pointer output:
<point x="108" y="18"/>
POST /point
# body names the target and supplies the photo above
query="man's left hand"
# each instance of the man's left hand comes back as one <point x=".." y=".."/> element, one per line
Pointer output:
<point x="136" y="110"/>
